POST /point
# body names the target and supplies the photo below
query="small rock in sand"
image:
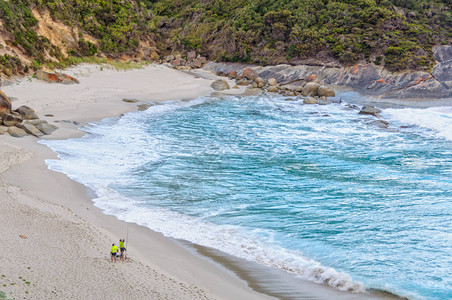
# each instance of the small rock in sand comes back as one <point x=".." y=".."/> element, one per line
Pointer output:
<point x="220" y="85"/>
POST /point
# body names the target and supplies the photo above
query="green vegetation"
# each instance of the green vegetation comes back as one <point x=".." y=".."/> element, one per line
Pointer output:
<point x="107" y="63"/>
<point x="397" y="34"/>
<point x="118" y="24"/>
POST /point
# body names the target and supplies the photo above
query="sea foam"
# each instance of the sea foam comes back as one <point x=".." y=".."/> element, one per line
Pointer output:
<point x="437" y="119"/>
<point x="234" y="240"/>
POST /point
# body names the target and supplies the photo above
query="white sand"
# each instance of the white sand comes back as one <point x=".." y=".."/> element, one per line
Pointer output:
<point x="65" y="252"/>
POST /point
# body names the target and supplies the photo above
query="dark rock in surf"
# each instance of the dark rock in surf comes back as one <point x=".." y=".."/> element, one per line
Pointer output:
<point x="380" y="123"/>
<point x="370" y="110"/>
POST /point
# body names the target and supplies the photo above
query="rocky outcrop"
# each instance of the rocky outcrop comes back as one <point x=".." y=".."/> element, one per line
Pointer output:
<point x="367" y="79"/>
<point x="220" y="85"/>
<point x="55" y="78"/>
<point x="443" y="70"/>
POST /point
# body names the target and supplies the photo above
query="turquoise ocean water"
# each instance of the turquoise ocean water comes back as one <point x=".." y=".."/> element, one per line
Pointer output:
<point x="316" y="191"/>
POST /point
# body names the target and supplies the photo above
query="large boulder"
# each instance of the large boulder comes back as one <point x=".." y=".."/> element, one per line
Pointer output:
<point x="325" y="91"/>
<point x="232" y="74"/>
<point x="273" y="89"/>
<point x="47" y="76"/>
<point x="220" y="85"/>
<point x="16" y="132"/>
<point x="27" y="113"/>
<point x="370" y="110"/>
<point x="55" y="78"/>
<point x="311" y="88"/>
<point x="31" y="129"/>
<point x="46" y="128"/>
<point x="250" y="74"/>
<point x="272" y="81"/>
<point x="10" y="119"/>
<point x="5" y="103"/>
<point x="260" y="82"/>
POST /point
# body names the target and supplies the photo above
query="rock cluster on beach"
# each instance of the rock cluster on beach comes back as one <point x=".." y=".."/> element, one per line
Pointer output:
<point x="191" y="61"/>
<point x="21" y="121"/>
<point x="52" y="77"/>
<point x="310" y="88"/>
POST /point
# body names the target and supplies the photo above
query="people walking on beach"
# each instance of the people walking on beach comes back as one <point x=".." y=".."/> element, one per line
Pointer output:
<point x="113" y="251"/>
<point x="122" y="248"/>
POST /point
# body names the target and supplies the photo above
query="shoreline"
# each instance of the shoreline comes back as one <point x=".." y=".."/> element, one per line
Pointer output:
<point x="202" y="272"/>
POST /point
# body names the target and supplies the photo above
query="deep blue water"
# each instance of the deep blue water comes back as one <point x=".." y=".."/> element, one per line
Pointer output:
<point x="314" y="190"/>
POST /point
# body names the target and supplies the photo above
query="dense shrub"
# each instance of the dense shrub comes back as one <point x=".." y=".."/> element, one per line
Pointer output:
<point x="276" y="31"/>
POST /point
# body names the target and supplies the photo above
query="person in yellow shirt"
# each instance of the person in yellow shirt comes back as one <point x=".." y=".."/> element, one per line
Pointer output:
<point x="122" y="248"/>
<point x="113" y="252"/>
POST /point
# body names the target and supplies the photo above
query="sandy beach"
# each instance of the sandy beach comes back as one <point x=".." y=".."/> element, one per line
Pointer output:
<point x="55" y="243"/>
